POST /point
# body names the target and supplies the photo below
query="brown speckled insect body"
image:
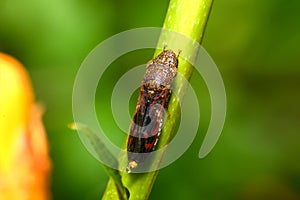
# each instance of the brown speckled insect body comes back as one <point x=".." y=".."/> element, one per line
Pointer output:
<point x="154" y="96"/>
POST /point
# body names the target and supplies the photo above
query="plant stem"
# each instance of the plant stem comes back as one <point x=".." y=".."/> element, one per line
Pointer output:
<point x="188" y="18"/>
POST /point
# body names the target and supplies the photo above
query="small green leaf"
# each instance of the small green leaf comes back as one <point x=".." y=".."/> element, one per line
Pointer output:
<point x="104" y="154"/>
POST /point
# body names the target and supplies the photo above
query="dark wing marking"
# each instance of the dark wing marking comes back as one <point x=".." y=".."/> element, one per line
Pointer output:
<point x="149" y="114"/>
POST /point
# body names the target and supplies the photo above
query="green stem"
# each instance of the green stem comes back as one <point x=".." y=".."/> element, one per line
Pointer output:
<point x="188" y="18"/>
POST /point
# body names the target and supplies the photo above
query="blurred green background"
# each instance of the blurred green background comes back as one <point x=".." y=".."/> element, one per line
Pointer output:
<point x="256" y="47"/>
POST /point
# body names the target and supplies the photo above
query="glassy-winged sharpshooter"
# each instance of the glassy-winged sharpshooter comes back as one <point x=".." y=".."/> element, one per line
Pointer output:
<point x="149" y="114"/>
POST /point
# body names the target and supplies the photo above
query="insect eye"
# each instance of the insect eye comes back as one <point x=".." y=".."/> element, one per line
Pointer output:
<point x="170" y="61"/>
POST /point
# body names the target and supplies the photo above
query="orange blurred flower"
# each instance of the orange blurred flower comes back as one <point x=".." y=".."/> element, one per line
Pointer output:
<point x="24" y="160"/>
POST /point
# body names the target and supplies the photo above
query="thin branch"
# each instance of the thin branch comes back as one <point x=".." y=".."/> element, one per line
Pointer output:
<point x="188" y="18"/>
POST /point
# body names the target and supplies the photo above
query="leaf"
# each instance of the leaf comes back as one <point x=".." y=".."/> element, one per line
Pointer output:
<point x="104" y="154"/>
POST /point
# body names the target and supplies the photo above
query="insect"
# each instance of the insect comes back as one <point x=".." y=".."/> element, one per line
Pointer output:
<point x="149" y="114"/>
